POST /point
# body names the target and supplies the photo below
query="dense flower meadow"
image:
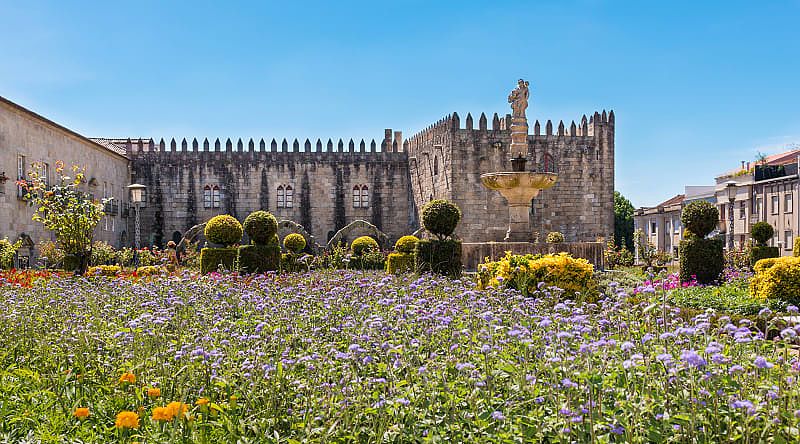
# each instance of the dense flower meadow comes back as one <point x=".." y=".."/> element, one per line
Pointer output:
<point x="365" y="357"/>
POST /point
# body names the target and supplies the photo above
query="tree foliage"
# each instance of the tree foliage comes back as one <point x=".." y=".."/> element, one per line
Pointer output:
<point x="623" y="221"/>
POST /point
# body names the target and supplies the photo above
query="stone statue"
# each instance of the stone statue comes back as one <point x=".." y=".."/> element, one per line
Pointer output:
<point x="519" y="98"/>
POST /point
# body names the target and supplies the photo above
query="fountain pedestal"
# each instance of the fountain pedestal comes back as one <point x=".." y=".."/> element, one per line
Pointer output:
<point x="519" y="188"/>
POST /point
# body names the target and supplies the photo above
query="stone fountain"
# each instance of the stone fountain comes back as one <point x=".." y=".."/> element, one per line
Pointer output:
<point x="519" y="186"/>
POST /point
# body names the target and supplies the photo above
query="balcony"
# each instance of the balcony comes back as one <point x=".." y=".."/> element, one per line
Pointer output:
<point x="766" y="172"/>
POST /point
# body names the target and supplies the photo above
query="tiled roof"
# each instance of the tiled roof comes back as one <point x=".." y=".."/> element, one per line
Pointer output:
<point x="672" y="201"/>
<point x="110" y="145"/>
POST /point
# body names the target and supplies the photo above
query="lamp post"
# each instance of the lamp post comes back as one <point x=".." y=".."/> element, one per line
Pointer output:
<point x="137" y="197"/>
<point x="730" y="189"/>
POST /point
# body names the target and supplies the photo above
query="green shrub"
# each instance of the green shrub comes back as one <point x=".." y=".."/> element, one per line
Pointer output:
<point x="102" y="253"/>
<point x="224" y="230"/>
<point x="761" y="232"/>
<point x="368" y="260"/>
<point x="50" y="254"/>
<point x="364" y="244"/>
<point x="777" y="278"/>
<point x="7" y="252"/>
<point x="554" y="237"/>
<point x="406" y="244"/>
<point x="733" y="298"/>
<point x="757" y="253"/>
<point x="294" y="242"/>
<point x="700" y="217"/>
<point x="71" y="262"/>
<point x="524" y="273"/>
<point x="438" y="256"/>
<point x="260" y="226"/>
<point x="212" y="258"/>
<point x="398" y="263"/>
<point x="440" y="217"/>
<point x="700" y="258"/>
<point x="259" y="258"/>
<point x="796" y="247"/>
<point x="124" y="256"/>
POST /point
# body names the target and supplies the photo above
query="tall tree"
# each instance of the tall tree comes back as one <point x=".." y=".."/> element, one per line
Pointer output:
<point x="623" y="221"/>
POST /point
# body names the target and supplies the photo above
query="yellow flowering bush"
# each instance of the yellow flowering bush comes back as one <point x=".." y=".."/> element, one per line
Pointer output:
<point x="149" y="270"/>
<point x="524" y="273"/>
<point x="103" y="270"/>
<point x="777" y="278"/>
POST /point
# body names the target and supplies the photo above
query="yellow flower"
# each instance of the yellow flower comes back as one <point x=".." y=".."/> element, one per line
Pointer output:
<point x="127" y="378"/>
<point x="202" y="401"/>
<point x="163" y="414"/>
<point x="127" y="420"/>
<point x="81" y="412"/>
<point x="154" y="392"/>
<point x="177" y="408"/>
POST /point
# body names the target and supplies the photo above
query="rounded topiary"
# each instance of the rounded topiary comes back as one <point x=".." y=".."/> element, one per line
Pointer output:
<point x="762" y="232"/>
<point x="364" y="244"/>
<point x="294" y="242"/>
<point x="406" y="244"/>
<point x="223" y="229"/>
<point x="700" y="217"/>
<point x="554" y="237"/>
<point x="260" y="226"/>
<point x="440" y="217"/>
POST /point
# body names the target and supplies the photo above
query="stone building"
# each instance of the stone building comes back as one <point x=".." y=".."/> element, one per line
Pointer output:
<point x="27" y="138"/>
<point x="661" y="224"/>
<point x="327" y="186"/>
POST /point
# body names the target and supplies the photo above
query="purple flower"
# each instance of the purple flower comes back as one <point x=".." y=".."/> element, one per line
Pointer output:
<point x="761" y="362"/>
<point x="692" y="358"/>
<point x="498" y="415"/>
<point x="742" y="404"/>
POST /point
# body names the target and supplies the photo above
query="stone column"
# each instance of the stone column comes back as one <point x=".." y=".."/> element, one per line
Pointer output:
<point x="519" y="207"/>
<point x="519" y="136"/>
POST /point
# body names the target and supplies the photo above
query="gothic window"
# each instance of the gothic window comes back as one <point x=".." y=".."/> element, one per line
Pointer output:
<point x="548" y="164"/>
<point x="360" y="196"/>
<point x="436" y="165"/>
<point x="207" y="196"/>
<point x="215" y="196"/>
<point x="20" y="174"/>
<point x="285" y="196"/>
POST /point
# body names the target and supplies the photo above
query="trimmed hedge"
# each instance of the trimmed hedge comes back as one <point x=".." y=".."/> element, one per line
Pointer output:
<point x="398" y="263"/>
<point x="259" y="258"/>
<point x="438" y="256"/>
<point x="212" y="258"/>
<point x="761" y="232"/>
<point x="700" y="217"/>
<point x="260" y="226"/>
<point x="406" y="244"/>
<point x="440" y="217"/>
<point x="777" y="278"/>
<point x="294" y="242"/>
<point x="370" y="260"/>
<point x="758" y="253"/>
<point x="701" y="258"/>
<point x="224" y="230"/>
<point x="554" y="237"/>
<point x="364" y="244"/>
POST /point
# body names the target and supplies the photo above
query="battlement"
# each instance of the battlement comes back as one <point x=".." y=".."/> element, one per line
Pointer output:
<point x="587" y="127"/>
<point x="392" y="144"/>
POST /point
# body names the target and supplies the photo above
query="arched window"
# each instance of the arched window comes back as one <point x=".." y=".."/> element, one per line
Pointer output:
<point x="436" y="165"/>
<point x="548" y="163"/>
<point x="364" y="196"/>
<point x="207" y="196"/>
<point x="281" y="197"/>
<point x="357" y="196"/>
<point x="215" y="196"/>
<point x="289" y="196"/>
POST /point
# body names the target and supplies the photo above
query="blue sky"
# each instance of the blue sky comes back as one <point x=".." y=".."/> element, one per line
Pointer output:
<point x="696" y="87"/>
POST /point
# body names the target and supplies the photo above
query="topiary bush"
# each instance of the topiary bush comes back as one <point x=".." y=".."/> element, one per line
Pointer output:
<point x="777" y="278"/>
<point x="762" y="232"/>
<point x="294" y="242"/>
<point x="758" y="253"/>
<point x="438" y="256"/>
<point x="212" y="258"/>
<point x="554" y="237"/>
<point x="369" y="260"/>
<point x="398" y="263"/>
<point x="700" y="259"/>
<point x="259" y="258"/>
<point x="406" y="244"/>
<point x="260" y="226"/>
<point x="223" y="229"/>
<point x="700" y="217"/>
<point x="440" y="217"/>
<point x="364" y="244"/>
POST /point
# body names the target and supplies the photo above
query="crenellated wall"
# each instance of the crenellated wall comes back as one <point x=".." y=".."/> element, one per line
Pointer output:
<point x="248" y="173"/>
<point x="580" y="205"/>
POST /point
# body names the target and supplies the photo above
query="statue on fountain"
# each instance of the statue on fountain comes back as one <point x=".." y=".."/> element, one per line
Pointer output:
<point x="519" y="98"/>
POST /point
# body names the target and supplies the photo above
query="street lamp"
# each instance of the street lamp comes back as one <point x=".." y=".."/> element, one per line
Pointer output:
<point x="137" y="198"/>
<point x="730" y="189"/>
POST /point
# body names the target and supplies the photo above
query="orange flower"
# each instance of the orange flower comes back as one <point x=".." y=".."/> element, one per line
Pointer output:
<point x="127" y="420"/>
<point x="202" y="401"/>
<point x="163" y="414"/>
<point x="177" y="408"/>
<point x="154" y="392"/>
<point x="127" y="378"/>
<point x="81" y="412"/>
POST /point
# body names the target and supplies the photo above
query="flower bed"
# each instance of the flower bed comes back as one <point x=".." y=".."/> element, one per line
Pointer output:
<point x="342" y="356"/>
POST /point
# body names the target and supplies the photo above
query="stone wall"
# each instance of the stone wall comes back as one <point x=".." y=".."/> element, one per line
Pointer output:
<point x="248" y="175"/>
<point x="580" y="205"/>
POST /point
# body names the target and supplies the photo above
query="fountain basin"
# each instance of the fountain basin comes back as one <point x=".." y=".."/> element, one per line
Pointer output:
<point x="518" y="187"/>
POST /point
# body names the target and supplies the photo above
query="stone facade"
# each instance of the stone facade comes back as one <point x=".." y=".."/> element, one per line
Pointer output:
<point x="26" y="138"/>
<point x="447" y="159"/>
